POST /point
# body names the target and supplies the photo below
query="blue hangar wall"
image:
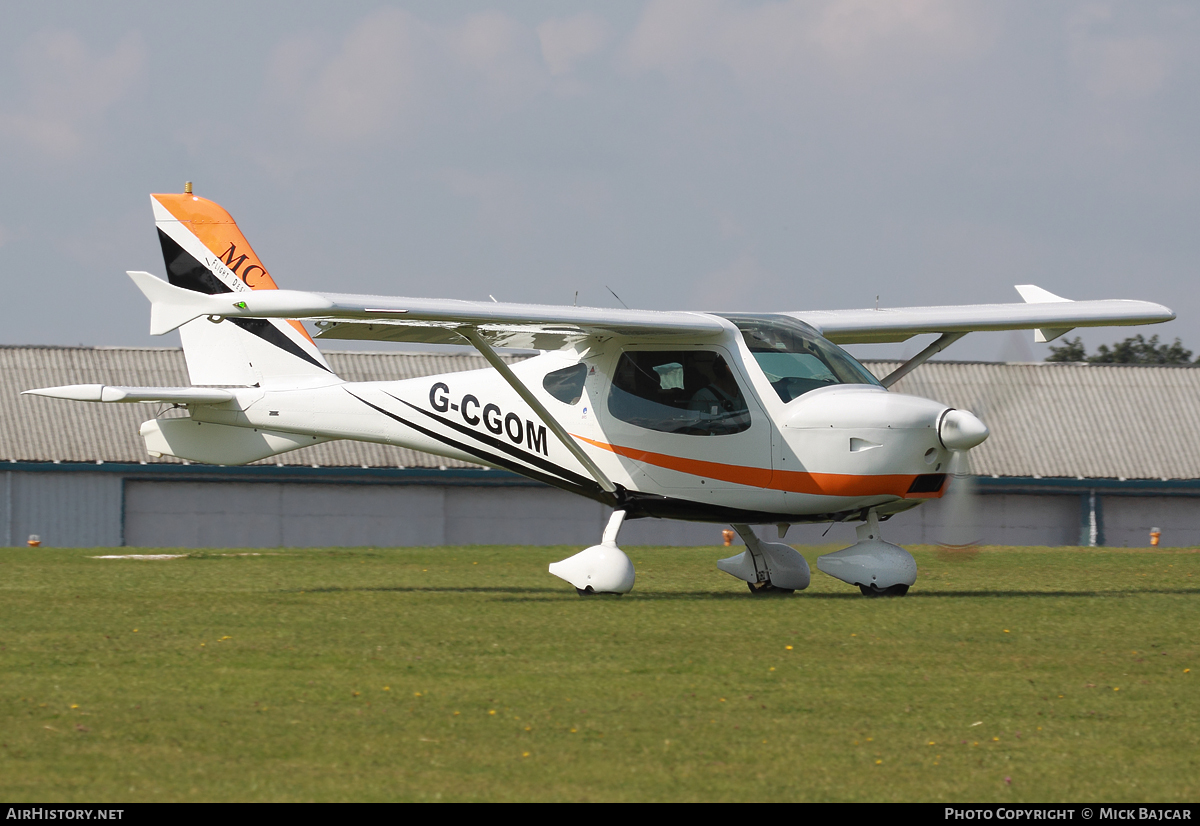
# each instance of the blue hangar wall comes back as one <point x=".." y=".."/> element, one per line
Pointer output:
<point x="193" y="506"/>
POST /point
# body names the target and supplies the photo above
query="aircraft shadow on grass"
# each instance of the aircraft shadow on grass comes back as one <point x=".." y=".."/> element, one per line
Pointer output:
<point x="526" y="594"/>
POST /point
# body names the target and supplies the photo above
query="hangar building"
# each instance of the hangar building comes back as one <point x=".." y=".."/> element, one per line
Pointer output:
<point x="1079" y="454"/>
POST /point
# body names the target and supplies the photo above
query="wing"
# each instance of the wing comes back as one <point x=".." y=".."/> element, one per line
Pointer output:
<point x="1050" y="315"/>
<point x="427" y="320"/>
<point x="548" y="327"/>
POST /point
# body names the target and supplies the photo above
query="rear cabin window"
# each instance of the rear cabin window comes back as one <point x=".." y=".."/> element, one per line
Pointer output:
<point x="692" y="392"/>
<point x="566" y="384"/>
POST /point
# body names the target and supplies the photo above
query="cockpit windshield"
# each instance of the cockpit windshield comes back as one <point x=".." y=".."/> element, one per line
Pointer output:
<point x="795" y="358"/>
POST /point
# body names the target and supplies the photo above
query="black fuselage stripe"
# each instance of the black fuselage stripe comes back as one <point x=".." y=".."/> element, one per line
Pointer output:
<point x="491" y="441"/>
<point x="592" y="491"/>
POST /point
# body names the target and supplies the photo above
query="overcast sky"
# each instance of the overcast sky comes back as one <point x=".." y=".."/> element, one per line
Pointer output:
<point x="690" y="154"/>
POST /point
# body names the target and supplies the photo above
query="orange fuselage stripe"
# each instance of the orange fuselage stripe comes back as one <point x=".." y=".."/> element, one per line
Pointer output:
<point x="792" y="481"/>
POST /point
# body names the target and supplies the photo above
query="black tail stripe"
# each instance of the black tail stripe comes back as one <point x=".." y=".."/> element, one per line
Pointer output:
<point x="531" y="458"/>
<point x="183" y="270"/>
<point x="592" y="491"/>
<point x="271" y="334"/>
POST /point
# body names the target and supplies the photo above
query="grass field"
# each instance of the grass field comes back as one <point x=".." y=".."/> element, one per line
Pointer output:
<point x="472" y="674"/>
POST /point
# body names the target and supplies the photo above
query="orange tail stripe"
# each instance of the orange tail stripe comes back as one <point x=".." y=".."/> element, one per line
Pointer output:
<point x="818" y="484"/>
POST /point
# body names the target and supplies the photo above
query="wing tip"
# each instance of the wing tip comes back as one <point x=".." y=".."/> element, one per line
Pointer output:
<point x="1033" y="294"/>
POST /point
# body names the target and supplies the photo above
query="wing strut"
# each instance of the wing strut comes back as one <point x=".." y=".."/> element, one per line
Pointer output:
<point x="485" y="350"/>
<point x="943" y="341"/>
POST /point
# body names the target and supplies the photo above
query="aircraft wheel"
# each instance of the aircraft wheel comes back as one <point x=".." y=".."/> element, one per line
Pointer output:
<point x="893" y="591"/>
<point x="589" y="592"/>
<point x="763" y="588"/>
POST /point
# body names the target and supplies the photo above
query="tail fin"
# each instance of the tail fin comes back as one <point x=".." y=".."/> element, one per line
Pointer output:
<point x="206" y="252"/>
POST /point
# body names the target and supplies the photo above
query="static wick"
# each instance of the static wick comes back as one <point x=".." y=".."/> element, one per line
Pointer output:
<point x="876" y="302"/>
<point x="575" y="303"/>
<point x="494" y="301"/>
<point x="614" y="295"/>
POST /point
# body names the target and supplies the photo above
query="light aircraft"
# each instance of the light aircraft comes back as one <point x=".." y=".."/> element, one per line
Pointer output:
<point x="738" y="418"/>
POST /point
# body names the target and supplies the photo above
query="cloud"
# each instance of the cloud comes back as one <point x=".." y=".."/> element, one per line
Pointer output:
<point x="855" y="30"/>
<point x="499" y="56"/>
<point x="363" y="89"/>
<point x="776" y="40"/>
<point x="67" y="90"/>
<point x="1119" y="68"/>
<point x="392" y="70"/>
<point x="567" y="40"/>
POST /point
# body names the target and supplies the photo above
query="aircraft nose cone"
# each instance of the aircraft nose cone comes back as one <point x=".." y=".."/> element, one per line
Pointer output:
<point x="960" y="430"/>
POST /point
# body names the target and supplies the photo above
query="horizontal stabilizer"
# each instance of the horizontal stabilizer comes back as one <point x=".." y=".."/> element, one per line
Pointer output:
<point x="109" y="393"/>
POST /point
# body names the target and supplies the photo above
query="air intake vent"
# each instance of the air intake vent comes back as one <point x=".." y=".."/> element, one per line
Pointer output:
<point x="927" y="483"/>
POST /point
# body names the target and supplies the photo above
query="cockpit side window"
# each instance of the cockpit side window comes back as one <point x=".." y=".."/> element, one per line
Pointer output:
<point x="566" y="384"/>
<point x="795" y="358"/>
<point x="691" y="392"/>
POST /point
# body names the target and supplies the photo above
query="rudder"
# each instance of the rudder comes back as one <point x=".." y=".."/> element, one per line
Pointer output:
<point x="204" y="251"/>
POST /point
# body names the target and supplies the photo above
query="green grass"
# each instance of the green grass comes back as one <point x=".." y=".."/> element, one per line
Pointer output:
<point x="472" y="674"/>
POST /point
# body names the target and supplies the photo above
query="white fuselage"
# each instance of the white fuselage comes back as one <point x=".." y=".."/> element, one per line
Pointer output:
<point x="827" y="454"/>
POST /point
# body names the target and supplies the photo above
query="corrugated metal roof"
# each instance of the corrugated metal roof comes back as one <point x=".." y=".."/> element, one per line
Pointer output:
<point x="1097" y="421"/>
<point x="36" y="429"/>
<point x="1048" y="420"/>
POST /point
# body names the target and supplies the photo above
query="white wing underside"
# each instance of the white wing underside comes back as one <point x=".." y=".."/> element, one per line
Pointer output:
<point x="528" y="336"/>
<point x="545" y="327"/>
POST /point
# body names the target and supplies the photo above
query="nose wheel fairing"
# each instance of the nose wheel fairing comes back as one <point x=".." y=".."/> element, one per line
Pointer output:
<point x="878" y="568"/>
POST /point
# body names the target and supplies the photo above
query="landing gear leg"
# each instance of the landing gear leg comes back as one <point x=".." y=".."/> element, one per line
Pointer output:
<point x="878" y="568"/>
<point x="600" y="569"/>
